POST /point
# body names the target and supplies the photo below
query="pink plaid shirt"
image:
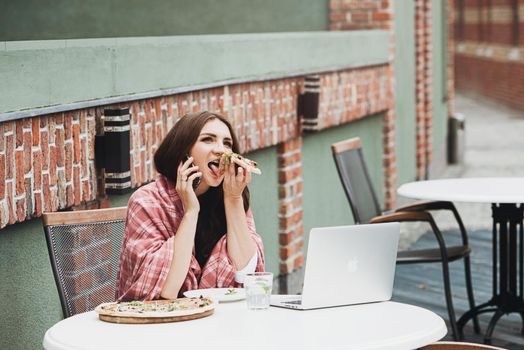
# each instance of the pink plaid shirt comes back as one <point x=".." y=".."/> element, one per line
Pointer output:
<point x="153" y="216"/>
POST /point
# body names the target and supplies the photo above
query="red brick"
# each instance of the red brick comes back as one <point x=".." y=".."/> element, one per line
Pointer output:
<point x="80" y="304"/>
<point x="28" y="186"/>
<point x="2" y="138"/>
<point x="19" y="132"/>
<point x="28" y="141"/>
<point x="298" y="262"/>
<point x="19" y="161"/>
<point x="10" y="155"/>
<point x="68" y="161"/>
<point x="79" y="281"/>
<point x="37" y="169"/>
<point x="76" y="260"/>
<point x="2" y="176"/>
<point x="85" y="190"/>
<point x="382" y="16"/>
<point x="46" y="193"/>
<point x="60" y="150"/>
<point x="35" y="130"/>
<point x="52" y="165"/>
<point x="44" y="136"/>
<point x="20" y="210"/>
<point x="70" y="196"/>
<point x="83" y="114"/>
<point x="83" y="160"/>
<point x="68" y="120"/>
<point x="10" y="203"/>
<point x="76" y="143"/>
<point x="286" y="237"/>
<point x="38" y="204"/>
<point x="360" y="16"/>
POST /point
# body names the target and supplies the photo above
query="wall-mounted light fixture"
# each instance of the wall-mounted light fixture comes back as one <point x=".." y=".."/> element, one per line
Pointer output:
<point x="308" y="103"/>
<point x="112" y="150"/>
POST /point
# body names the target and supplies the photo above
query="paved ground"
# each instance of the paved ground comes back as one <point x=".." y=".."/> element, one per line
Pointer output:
<point x="494" y="147"/>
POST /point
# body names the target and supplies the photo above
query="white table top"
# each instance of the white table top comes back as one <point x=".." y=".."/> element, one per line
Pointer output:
<point x="386" y="325"/>
<point x="477" y="190"/>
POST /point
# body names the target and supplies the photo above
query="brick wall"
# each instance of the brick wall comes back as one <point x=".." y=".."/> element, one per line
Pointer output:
<point x="88" y="268"/>
<point x="423" y="74"/>
<point x="262" y="113"/>
<point x="46" y="164"/>
<point x="291" y="229"/>
<point x="355" y="14"/>
<point x="450" y="13"/>
<point x="489" y="53"/>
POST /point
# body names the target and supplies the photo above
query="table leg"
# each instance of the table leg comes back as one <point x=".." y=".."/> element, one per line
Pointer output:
<point x="508" y="268"/>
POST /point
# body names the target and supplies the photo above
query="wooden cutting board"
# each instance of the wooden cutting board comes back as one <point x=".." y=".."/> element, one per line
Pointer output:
<point x="145" y="320"/>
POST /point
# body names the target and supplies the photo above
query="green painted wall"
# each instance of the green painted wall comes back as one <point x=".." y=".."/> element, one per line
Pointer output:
<point x="68" y="19"/>
<point x="325" y="202"/>
<point x="69" y="74"/>
<point x="31" y="303"/>
<point x="439" y="56"/>
<point x="405" y="134"/>
<point x="264" y="203"/>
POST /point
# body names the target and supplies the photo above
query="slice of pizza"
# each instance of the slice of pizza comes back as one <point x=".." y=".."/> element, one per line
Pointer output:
<point x="227" y="158"/>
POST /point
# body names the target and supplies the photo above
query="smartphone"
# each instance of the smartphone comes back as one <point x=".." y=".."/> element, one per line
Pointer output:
<point x="197" y="180"/>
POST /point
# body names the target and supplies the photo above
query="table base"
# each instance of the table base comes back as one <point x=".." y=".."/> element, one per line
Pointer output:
<point x="508" y="269"/>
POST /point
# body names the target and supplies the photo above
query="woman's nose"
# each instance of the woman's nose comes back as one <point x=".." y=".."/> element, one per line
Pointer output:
<point x="219" y="147"/>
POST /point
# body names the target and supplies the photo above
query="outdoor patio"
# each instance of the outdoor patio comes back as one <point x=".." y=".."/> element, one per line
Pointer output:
<point x="486" y="154"/>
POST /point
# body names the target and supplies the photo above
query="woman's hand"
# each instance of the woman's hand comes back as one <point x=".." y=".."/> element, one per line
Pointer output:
<point x="235" y="180"/>
<point x="187" y="172"/>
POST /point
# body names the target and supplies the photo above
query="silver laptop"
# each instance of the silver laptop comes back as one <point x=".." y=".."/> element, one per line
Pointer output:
<point x="346" y="265"/>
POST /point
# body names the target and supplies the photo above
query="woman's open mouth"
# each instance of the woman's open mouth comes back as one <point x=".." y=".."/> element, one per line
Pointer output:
<point x="214" y="167"/>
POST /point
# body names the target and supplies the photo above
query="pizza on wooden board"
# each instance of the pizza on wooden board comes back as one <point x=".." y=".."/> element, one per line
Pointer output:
<point x="231" y="157"/>
<point x="155" y="311"/>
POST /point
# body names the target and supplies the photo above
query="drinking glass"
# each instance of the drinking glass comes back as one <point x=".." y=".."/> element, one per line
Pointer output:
<point x="258" y="290"/>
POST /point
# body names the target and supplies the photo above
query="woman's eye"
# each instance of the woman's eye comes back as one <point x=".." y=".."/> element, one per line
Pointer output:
<point x="228" y="144"/>
<point x="207" y="139"/>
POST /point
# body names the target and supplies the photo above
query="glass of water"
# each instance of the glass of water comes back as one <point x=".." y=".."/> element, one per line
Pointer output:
<point x="258" y="290"/>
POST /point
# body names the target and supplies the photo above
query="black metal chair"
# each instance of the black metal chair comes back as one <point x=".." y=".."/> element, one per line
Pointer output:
<point x="354" y="175"/>
<point x="84" y="249"/>
<point x="449" y="345"/>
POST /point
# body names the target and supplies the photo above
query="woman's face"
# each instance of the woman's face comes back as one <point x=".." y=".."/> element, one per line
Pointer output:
<point x="214" y="139"/>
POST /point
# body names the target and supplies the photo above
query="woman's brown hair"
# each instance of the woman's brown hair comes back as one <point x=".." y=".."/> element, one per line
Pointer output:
<point x="174" y="149"/>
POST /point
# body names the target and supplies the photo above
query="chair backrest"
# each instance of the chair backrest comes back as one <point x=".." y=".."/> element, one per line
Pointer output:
<point x="84" y="248"/>
<point x="445" y="345"/>
<point x="354" y="175"/>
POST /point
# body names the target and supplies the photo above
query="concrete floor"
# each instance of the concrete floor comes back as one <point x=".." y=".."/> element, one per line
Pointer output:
<point x="494" y="146"/>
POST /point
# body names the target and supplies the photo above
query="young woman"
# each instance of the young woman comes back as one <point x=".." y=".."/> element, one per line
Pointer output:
<point x="192" y="227"/>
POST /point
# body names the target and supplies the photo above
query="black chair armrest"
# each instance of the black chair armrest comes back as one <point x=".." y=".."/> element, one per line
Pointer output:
<point x="427" y="205"/>
<point x="438" y="205"/>
<point x="403" y="216"/>
<point x="411" y="216"/>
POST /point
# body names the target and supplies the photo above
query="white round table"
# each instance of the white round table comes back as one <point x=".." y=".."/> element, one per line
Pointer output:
<point x="506" y="195"/>
<point x="385" y="325"/>
<point x="476" y="190"/>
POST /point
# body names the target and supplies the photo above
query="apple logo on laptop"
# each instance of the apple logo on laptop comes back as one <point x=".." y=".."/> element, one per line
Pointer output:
<point x="352" y="265"/>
